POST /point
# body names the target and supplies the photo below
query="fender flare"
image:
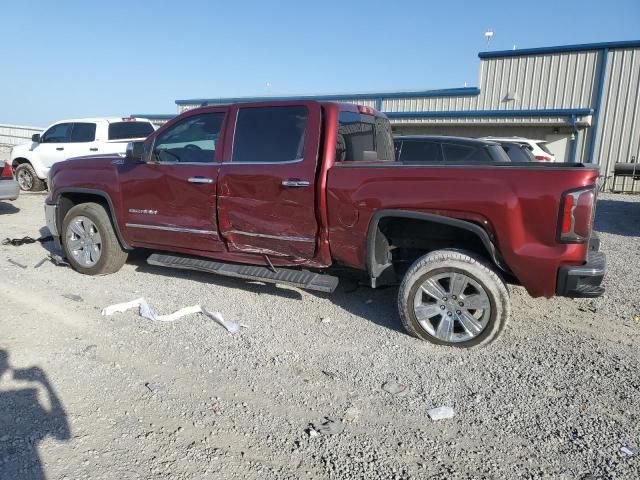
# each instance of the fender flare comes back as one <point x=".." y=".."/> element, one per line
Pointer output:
<point x="374" y="268"/>
<point x="101" y="194"/>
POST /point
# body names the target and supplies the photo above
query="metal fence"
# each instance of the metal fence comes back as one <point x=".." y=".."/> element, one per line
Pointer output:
<point x="16" y="134"/>
<point x="11" y="135"/>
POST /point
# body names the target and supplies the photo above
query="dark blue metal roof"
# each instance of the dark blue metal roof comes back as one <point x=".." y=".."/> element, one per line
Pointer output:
<point x="560" y="48"/>
<point x="445" y="92"/>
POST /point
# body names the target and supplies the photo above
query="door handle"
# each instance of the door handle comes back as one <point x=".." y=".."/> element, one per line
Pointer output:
<point x="199" y="180"/>
<point x="93" y="149"/>
<point x="59" y="148"/>
<point x="295" y="183"/>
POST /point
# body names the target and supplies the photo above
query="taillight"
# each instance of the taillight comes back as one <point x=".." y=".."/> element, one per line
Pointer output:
<point x="576" y="215"/>
<point x="6" y="171"/>
<point x="543" y="158"/>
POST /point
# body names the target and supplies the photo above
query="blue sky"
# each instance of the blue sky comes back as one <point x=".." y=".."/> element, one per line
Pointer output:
<point x="82" y="58"/>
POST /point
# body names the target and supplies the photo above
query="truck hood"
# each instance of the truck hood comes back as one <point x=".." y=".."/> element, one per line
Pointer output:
<point x="21" y="150"/>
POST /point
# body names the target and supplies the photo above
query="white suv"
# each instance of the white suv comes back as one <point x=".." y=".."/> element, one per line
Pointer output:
<point x="73" y="138"/>
<point x="538" y="147"/>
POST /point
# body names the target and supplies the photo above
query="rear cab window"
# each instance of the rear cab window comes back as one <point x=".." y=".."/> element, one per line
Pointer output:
<point x="363" y="137"/>
<point x="126" y="130"/>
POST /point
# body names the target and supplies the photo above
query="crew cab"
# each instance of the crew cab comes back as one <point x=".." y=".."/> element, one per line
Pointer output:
<point x="297" y="192"/>
<point x="73" y="138"/>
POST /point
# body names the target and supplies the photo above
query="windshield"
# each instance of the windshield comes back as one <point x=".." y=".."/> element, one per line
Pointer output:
<point x="363" y="138"/>
<point x="126" y="130"/>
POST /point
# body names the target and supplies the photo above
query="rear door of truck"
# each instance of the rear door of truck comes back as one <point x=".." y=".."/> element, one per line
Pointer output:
<point x="267" y="181"/>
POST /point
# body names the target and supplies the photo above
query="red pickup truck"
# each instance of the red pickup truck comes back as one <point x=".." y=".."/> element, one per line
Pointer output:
<point x="293" y="192"/>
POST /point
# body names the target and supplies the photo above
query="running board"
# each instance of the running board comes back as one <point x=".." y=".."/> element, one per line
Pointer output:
<point x="297" y="278"/>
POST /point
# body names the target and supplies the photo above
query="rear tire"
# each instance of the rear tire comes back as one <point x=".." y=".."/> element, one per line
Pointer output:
<point x="27" y="178"/>
<point x="432" y="296"/>
<point x="89" y="240"/>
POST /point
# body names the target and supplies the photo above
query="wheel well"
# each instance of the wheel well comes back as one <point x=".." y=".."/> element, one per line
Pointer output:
<point x="68" y="200"/>
<point x="397" y="240"/>
<point x="18" y="161"/>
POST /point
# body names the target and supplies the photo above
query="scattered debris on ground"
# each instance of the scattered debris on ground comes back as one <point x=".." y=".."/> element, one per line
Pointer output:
<point x="330" y="426"/>
<point x="17" y="264"/>
<point x="395" y="388"/>
<point x="440" y="413"/>
<point x="144" y="310"/>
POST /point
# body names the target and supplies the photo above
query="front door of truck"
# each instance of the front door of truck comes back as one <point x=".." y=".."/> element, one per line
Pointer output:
<point x="171" y="198"/>
<point x="267" y="182"/>
<point x="51" y="148"/>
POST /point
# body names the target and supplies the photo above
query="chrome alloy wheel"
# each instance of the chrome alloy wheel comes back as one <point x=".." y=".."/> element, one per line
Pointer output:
<point x="83" y="241"/>
<point x="25" y="179"/>
<point x="452" y="307"/>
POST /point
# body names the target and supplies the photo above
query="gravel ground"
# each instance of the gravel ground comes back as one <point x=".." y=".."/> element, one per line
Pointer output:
<point x="87" y="396"/>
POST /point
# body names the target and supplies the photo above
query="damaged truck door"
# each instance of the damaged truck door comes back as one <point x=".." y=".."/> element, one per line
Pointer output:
<point x="169" y="196"/>
<point x="267" y="183"/>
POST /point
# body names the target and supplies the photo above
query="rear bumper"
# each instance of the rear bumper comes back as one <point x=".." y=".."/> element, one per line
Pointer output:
<point x="9" y="189"/>
<point x="583" y="281"/>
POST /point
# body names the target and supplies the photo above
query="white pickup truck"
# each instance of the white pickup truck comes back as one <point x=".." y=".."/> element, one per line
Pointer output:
<point x="73" y="138"/>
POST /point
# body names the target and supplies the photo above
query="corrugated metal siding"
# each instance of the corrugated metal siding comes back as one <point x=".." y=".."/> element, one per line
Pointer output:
<point x="547" y="121"/>
<point x="618" y="135"/>
<point x="561" y="80"/>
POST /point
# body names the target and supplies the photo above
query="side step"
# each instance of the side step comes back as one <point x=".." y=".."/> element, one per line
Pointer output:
<point x="297" y="278"/>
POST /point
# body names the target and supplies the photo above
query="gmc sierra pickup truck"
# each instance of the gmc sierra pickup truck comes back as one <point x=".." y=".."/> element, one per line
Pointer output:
<point x="294" y="192"/>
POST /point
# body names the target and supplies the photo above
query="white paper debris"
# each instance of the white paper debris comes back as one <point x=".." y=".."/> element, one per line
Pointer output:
<point x="628" y="451"/>
<point x="145" y="311"/>
<point x="440" y="413"/>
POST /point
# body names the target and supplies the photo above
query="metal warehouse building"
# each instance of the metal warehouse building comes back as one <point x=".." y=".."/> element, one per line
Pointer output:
<point x="583" y="99"/>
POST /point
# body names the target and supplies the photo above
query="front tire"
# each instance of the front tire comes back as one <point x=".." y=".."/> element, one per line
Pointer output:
<point x="27" y="178"/>
<point x="453" y="298"/>
<point x="89" y="241"/>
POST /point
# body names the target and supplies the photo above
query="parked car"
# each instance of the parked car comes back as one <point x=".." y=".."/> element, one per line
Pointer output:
<point x="439" y="148"/>
<point x="538" y="147"/>
<point x="517" y="151"/>
<point x="73" y="138"/>
<point x="9" y="189"/>
<point x="283" y="192"/>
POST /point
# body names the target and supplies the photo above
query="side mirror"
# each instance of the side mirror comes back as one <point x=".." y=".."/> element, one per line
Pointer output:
<point x="35" y="138"/>
<point x="134" y="151"/>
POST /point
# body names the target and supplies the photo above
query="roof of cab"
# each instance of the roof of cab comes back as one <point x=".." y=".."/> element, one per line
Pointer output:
<point x="101" y="120"/>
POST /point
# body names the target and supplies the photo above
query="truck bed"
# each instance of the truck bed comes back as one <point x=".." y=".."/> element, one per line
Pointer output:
<point x="516" y="204"/>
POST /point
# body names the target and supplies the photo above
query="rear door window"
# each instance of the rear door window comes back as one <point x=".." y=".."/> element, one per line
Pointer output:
<point x="363" y="138"/>
<point x="57" y="134"/>
<point x="83" y="132"/>
<point x="415" y="151"/>
<point x="457" y="153"/>
<point x="270" y="134"/>
<point x="128" y="130"/>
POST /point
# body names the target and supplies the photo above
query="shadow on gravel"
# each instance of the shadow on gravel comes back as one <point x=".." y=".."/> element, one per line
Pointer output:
<point x="618" y="217"/>
<point x="24" y="422"/>
<point x="377" y="306"/>
<point x="7" y="208"/>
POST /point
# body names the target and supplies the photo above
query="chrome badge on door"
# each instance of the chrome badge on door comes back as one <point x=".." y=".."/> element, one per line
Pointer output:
<point x="143" y="211"/>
